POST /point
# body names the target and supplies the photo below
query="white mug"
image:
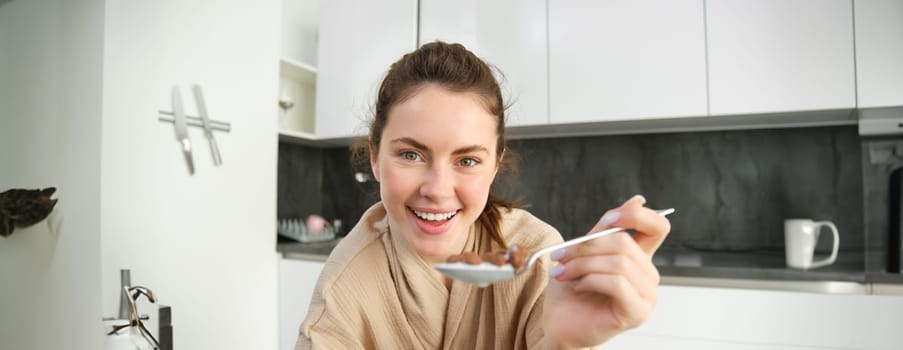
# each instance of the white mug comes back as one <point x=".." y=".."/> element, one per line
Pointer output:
<point x="800" y="237"/>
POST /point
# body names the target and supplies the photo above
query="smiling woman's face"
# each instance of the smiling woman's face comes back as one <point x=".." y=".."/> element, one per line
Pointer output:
<point x="435" y="163"/>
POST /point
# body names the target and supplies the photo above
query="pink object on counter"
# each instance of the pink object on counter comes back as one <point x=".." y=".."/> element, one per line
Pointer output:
<point x="316" y="224"/>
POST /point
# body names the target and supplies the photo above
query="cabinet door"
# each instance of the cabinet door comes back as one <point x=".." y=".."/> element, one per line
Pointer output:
<point x="879" y="52"/>
<point x="359" y="40"/>
<point x="631" y="341"/>
<point x="620" y="60"/>
<point x="508" y="34"/>
<point x="775" y="320"/>
<point x="300" y="21"/>
<point x="297" y="279"/>
<point x="779" y="55"/>
<point x="204" y="243"/>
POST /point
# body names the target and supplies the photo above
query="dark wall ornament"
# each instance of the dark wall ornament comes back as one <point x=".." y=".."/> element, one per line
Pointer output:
<point x="23" y="208"/>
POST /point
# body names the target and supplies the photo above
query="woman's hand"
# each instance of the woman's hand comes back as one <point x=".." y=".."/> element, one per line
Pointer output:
<point x="607" y="285"/>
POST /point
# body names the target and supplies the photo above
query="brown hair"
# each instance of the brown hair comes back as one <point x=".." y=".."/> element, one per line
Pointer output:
<point x="456" y="69"/>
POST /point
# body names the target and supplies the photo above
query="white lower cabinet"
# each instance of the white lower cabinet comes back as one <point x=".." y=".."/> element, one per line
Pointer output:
<point x="632" y="342"/>
<point x="297" y="279"/>
<point x="714" y="318"/>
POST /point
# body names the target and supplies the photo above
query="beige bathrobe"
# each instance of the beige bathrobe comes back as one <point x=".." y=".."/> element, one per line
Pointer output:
<point x="375" y="292"/>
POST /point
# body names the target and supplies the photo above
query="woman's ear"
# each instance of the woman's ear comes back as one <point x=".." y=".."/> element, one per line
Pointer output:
<point x="373" y="156"/>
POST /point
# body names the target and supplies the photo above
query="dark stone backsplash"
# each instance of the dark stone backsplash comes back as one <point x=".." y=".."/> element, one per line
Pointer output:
<point x="732" y="189"/>
<point x="880" y="156"/>
<point x="321" y="181"/>
<point x="299" y="181"/>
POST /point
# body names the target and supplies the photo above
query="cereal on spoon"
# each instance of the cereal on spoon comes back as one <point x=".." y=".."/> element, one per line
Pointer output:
<point x="515" y="255"/>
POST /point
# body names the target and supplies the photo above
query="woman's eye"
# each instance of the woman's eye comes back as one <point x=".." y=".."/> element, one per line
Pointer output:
<point x="469" y="162"/>
<point x="408" y="155"/>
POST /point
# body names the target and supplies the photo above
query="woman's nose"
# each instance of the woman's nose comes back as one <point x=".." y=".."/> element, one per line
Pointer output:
<point x="439" y="182"/>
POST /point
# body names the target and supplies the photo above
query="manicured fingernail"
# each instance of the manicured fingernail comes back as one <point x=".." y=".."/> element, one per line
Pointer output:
<point x="558" y="254"/>
<point x="609" y="218"/>
<point x="556" y="270"/>
<point x="638" y="197"/>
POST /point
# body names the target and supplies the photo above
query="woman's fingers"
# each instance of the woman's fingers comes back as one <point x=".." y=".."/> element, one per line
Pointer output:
<point x="651" y="228"/>
<point x="614" y="273"/>
<point x="629" y="307"/>
<point x="642" y="276"/>
<point x="615" y="244"/>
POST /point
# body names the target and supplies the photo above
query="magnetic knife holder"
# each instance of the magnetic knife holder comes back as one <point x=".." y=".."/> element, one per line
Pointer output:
<point x="196" y="122"/>
<point x="182" y="121"/>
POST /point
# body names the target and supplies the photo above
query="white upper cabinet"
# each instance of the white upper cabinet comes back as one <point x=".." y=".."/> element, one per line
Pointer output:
<point x="297" y="69"/>
<point x="509" y="34"/>
<point x="358" y="42"/>
<point x="300" y="27"/>
<point x="879" y="52"/>
<point x="621" y="60"/>
<point x="779" y="55"/>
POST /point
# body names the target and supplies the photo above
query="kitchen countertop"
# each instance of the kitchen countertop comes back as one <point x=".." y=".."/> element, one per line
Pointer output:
<point x="758" y="265"/>
<point x="750" y="270"/>
<point x="315" y="251"/>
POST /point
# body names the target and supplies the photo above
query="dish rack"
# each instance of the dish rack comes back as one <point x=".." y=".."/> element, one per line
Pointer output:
<point x="296" y="229"/>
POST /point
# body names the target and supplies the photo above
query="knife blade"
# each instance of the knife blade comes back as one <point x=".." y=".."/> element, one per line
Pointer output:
<point x="205" y="121"/>
<point x="181" y="128"/>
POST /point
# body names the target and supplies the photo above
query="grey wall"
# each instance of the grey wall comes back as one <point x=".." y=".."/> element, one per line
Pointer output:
<point x="51" y="93"/>
<point x="732" y="189"/>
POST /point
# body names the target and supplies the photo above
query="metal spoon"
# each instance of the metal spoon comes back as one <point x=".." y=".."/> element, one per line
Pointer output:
<point x="484" y="274"/>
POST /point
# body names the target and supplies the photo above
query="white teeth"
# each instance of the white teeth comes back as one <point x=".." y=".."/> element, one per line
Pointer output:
<point x="434" y="216"/>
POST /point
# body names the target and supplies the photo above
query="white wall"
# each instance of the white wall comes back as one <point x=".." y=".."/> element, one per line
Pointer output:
<point x="80" y="84"/>
<point x="50" y="77"/>
<point x="204" y="243"/>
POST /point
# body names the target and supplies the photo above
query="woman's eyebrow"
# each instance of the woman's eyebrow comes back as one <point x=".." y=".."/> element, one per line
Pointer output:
<point x="471" y="149"/>
<point x="411" y="142"/>
<point x="463" y="150"/>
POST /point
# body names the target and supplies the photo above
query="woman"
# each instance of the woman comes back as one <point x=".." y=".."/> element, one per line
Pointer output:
<point x="436" y="143"/>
